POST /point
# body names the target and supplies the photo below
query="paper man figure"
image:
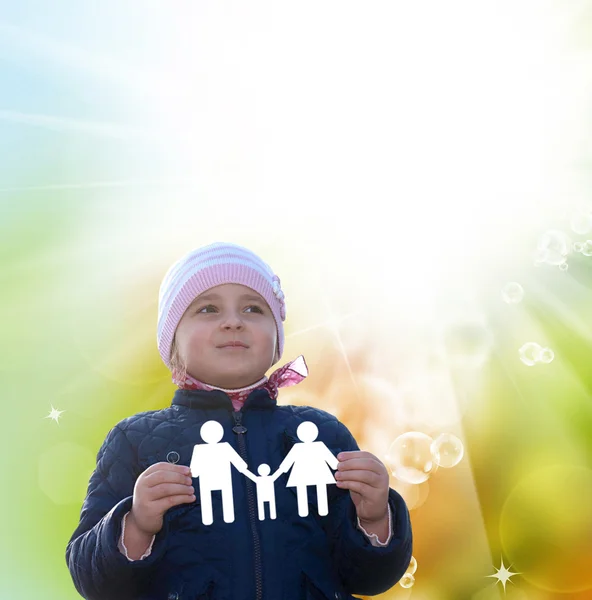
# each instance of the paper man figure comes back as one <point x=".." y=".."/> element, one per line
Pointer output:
<point x="265" y="490"/>
<point x="211" y="463"/>
<point x="309" y="460"/>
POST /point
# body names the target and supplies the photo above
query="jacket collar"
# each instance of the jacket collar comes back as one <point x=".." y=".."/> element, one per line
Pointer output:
<point x="202" y="399"/>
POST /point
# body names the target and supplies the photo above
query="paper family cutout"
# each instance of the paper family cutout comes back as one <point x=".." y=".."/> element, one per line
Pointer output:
<point x="309" y="460"/>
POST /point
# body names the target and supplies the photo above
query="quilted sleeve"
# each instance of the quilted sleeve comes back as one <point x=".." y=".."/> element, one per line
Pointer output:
<point x="366" y="569"/>
<point x="99" y="570"/>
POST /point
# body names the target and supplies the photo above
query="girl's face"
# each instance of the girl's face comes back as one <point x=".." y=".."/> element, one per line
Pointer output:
<point x="222" y="315"/>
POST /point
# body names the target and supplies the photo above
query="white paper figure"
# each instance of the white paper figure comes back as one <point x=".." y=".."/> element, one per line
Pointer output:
<point x="309" y="460"/>
<point x="211" y="463"/>
<point x="265" y="489"/>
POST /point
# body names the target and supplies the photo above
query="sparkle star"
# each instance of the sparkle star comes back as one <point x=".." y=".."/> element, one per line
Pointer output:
<point x="503" y="574"/>
<point x="55" y="414"/>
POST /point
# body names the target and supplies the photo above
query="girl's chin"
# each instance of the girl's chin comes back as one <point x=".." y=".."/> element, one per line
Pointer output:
<point x="241" y="380"/>
<point x="234" y="374"/>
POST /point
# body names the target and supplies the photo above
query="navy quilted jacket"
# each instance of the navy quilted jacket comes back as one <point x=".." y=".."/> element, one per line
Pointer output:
<point x="287" y="558"/>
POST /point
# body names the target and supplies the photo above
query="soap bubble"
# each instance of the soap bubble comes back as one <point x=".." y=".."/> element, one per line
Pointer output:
<point x="410" y="457"/>
<point x="407" y="580"/>
<point x="553" y="247"/>
<point x="546" y="355"/>
<point x="587" y="248"/>
<point x="530" y="353"/>
<point x="415" y="495"/>
<point x="412" y="566"/>
<point x="447" y="450"/>
<point x="512" y="293"/>
<point x="540" y="257"/>
<point x="563" y="266"/>
<point x="581" y="223"/>
<point x="578" y="246"/>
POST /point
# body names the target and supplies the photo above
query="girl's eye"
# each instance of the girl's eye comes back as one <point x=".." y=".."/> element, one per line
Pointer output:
<point x="255" y="307"/>
<point x="208" y="306"/>
<point x="252" y="306"/>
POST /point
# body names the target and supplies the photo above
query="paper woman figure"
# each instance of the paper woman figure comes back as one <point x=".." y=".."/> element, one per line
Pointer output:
<point x="265" y="489"/>
<point x="309" y="460"/>
<point x="211" y="463"/>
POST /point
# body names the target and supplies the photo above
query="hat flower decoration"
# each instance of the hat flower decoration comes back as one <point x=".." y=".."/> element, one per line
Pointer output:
<point x="279" y="294"/>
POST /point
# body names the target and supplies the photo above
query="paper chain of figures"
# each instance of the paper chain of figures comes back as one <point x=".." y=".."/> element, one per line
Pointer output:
<point x="309" y="461"/>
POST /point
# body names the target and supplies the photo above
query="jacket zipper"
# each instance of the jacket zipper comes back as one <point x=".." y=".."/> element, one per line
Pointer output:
<point x="241" y="430"/>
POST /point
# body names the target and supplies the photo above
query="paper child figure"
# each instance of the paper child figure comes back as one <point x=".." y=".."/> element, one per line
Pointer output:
<point x="265" y="489"/>
<point x="309" y="460"/>
<point x="211" y="463"/>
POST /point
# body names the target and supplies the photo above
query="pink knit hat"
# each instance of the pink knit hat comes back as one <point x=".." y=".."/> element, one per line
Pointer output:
<point x="204" y="268"/>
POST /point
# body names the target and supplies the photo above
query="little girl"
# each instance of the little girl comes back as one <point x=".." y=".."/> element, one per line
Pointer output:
<point x="141" y="536"/>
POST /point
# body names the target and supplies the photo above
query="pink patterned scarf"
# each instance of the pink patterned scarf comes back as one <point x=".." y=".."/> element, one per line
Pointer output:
<point x="290" y="374"/>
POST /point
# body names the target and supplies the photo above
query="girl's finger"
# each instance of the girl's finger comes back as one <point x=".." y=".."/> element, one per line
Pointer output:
<point x="354" y="454"/>
<point x="371" y="464"/>
<point x="166" y="466"/>
<point x="370" y="478"/>
<point x="361" y="488"/>
<point x="160" y="477"/>
<point x="170" y="501"/>
<point x="169" y="489"/>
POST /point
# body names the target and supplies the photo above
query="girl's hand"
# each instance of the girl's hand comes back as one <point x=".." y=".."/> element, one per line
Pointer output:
<point x="367" y="480"/>
<point x="160" y="487"/>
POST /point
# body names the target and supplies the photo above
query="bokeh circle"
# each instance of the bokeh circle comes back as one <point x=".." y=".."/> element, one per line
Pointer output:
<point x="546" y="528"/>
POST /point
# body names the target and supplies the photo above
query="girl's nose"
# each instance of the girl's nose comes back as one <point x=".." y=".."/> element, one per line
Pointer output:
<point x="232" y="322"/>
